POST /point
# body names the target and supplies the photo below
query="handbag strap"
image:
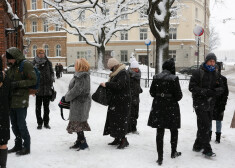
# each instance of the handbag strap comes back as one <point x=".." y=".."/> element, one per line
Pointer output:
<point x="62" y="114"/>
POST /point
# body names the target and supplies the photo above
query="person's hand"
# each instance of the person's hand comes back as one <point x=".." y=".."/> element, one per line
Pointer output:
<point x="103" y="84"/>
<point x="14" y="85"/>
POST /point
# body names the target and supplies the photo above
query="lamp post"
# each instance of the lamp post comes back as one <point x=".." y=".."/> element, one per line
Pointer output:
<point x="148" y="43"/>
<point x="15" y="22"/>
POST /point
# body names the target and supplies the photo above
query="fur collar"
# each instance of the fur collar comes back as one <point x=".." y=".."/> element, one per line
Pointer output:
<point x="120" y="67"/>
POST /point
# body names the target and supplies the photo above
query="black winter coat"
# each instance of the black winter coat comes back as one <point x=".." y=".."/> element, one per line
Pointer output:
<point x="5" y="98"/>
<point x="118" y="89"/>
<point x="165" y="112"/>
<point x="201" y="82"/>
<point x="46" y="78"/>
<point x="221" y="101"/>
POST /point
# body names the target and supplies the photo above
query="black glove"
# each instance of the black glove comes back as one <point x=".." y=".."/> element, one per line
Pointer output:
<point x="14" y="85"/>
<point x="210" y="93"/>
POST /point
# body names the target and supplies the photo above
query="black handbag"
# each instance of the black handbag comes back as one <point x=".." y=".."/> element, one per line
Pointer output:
<point x="100" y="96"/>
<point x="53" y="96"/>
<point x="63" y="105"/>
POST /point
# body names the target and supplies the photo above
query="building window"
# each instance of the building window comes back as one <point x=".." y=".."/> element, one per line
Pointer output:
<point x="82" y="54"/>
<point x="46" y="48"/>
<point x="45" y="26"/>
<point x="196" y="13"/>
<point x="124" y="54"/>
<point x="124" y="35"/>
<point x="80" y="38"/>
<point x="172" y="33"/>
<point x="57" y="28"/>
<point x="107" y="13"/>
<point x="34" y="4"/>
<point x="143" y="34"/>
<point x="172" y="54"/>
<point x="34" y="26"/>
<point x="45" y="5"/>
<point x="125" y="16"/>
<point x="81" y="16"/>
<point x="58" y="51"/>
<point x="34" y="51"/>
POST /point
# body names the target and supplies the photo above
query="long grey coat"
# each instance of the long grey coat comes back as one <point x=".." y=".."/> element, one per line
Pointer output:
<point x="79" y="97"/>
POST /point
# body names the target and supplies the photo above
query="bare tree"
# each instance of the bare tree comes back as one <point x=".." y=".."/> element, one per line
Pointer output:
<point x="101" y="20"/>
<point x="214" y="39"/>
<point x="159" y="13"/>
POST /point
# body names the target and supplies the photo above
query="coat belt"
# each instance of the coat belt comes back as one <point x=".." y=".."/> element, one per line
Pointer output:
<point x="163" y="95"/>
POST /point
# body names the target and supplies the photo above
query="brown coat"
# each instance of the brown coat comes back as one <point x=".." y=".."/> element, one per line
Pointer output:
<point x="233" y="121"/>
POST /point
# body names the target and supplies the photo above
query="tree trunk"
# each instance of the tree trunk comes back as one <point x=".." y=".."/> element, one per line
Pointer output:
<point x="101" y="57"/>
<point x="162" y="43"/>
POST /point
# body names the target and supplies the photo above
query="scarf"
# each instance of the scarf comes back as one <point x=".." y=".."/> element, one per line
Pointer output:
<point x="133" y="74"/>
<point x="209" y="67"/>
<point x="40" y="60"/>
<point x="117" y="69"/>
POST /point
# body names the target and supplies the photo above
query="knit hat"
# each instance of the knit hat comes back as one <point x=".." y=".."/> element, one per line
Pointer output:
<point x="134" y="64"/>
<point x="132" y="59"/>
<point x="9" y="56"/>
<point x="169" y="65"/>
<point x="210" y="56"/>
<point x="112" y="62"/>
<point x="40" y="50"/>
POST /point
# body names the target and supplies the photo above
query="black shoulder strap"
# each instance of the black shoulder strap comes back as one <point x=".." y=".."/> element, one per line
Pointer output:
<point x="62" y="115"/>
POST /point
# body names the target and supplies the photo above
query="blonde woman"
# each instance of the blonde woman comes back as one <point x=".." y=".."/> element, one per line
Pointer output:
<point x="80" y="102"/>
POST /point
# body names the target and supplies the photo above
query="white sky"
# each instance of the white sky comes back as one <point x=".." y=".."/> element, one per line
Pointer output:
<point x="218" y="13"/>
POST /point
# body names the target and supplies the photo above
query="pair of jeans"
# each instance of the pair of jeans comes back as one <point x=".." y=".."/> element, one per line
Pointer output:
<point x="19" y="126"/>
<point x="202" y="141"/>
<point x="46" y="102"/>
<point x="218" y="126"/>
<point x="159" y="140"/>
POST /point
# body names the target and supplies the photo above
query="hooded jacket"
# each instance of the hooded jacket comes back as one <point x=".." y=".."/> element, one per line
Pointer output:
<point x="20" y="95"/>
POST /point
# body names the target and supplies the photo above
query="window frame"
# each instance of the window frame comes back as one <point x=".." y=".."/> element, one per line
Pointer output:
<point x="124" y="55"/>
<point x="34" y="26"/>
<point x="34" y="50"/>
<point x="172" y="34"/>
<point x="58" y="50"/>
<point x="46" y="49"/>
<point x="34" y="4"/>
<point x="143" y="34"/>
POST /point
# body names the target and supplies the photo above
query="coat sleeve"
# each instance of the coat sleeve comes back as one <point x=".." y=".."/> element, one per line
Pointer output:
<point x="194" y="85"/>
<point x="226" y="91"/>
<point x="30" y="76"/>
<point x="177" y="91"/>
<point x="120" y="83"/>
<point x="52" y="73"/>
<point x="78" y="89"/>
<point x="152" y="90"/>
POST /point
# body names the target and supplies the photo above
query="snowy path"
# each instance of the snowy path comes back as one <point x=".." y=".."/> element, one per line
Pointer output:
<point x="50" y="148"/>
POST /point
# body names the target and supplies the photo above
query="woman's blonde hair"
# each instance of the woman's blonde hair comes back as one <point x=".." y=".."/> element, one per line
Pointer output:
<point x="81" y="64"/>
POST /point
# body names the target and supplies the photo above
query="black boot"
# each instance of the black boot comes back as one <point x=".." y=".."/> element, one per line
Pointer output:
<point x="47" y="126"/>
<point x="116" y="141"/>
<point x="175" y="154"/>
<point x="210" y="135"/>
<point x="76" y="145"/>
<point x="17" y="147"/>
<point x="83" y="145"/>
<point x="3" y="158"/>
<point x="160" y="159"/>
<point x="218" y="135"/>
<point x="124" y="143"/>
<point x="24" y="151"/>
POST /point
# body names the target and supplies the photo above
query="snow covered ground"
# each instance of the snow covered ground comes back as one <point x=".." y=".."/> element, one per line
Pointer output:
<point x="50" y="148"/>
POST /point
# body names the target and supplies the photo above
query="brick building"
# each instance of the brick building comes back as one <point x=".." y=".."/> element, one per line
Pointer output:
<point x="8" y="10"/>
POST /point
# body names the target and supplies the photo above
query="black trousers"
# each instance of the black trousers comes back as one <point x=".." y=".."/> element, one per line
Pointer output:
<point x="46" y="102"/>
<point x="202" y="141"/>
<point x="159" y="140"/>
<point x="80" y="136"/>
<point x="134" y="115"/>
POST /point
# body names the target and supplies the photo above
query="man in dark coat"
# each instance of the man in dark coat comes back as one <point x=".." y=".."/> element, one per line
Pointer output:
<point x="57" y="70"/>
<point x="165" y="112"/>
<point x="20" y="83"/>
<point x="61" y="69"/>
<point x="205" y="85"/>
<point x="45" y="88"/>
<point x="118" y="88"/>
<point x="135" y="76"/>
<point x="220" y="104"/>
<point x="4" y="115"/>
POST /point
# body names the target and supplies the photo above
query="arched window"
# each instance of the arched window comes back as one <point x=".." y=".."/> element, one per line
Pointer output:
<point x="46" y="48"/>
<point x="58" y="50"/>
<point x="34" y="51"/>
<point x="45" y="26"/>
<point x="34" y="26"/>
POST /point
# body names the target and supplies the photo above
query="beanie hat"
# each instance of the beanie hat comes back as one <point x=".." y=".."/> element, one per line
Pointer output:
<point x="169" y="65"/>
<point x="134" y="64"/>
<point x="9" y="56"/>
<point x="210" y="56"/>
<point x="112" y="62"/>
<point x="132" y="59"/>
<point x="40" y="50"/>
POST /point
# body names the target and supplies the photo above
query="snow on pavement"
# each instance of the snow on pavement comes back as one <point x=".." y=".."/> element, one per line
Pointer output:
<point x="50" y="148"/>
